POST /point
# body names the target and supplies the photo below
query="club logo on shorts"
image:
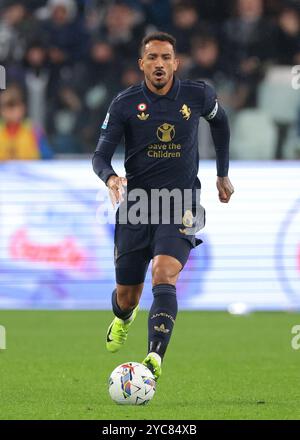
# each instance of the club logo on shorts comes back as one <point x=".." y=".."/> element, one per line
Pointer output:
<point x="165" y="132"/>
<point x="187" y="221"/>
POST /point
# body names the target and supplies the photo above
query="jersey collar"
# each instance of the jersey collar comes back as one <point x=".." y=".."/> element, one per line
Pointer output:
<point x="172" y="93"/>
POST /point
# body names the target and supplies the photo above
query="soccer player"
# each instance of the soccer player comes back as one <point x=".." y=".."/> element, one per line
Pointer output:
<point x="159" y="121"/>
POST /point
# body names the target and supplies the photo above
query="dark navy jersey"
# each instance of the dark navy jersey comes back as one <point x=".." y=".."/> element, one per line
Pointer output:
<point x="161" y="135"/>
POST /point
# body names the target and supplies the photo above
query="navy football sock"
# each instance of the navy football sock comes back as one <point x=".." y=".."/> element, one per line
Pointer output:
<point x="122" y="314"/>
<point x="162" y="317"/>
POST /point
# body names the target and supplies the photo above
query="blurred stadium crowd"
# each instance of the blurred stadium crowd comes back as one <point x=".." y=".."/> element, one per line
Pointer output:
<point x="66" y="59"/>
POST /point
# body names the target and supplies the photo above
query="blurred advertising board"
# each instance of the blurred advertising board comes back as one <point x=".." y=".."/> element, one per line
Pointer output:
<point x="56" y="254"/>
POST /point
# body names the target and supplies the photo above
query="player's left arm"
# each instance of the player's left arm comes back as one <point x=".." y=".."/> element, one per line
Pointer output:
<point x="219" y="126"/>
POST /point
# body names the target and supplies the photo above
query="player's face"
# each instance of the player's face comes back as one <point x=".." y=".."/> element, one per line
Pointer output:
<point x="158" y="64"/>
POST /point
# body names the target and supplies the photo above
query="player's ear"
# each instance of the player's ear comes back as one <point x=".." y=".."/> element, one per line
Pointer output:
<point x="141" y="64"/>
<point x="176" y="64"/>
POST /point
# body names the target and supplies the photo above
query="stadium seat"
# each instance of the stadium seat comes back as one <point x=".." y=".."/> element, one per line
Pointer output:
<point x="277" y="97"/>
<point x="254" y="136"/>
<point x="291" y="147"/>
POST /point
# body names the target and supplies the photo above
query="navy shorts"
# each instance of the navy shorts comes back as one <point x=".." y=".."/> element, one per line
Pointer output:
<point x="136" y="245"/>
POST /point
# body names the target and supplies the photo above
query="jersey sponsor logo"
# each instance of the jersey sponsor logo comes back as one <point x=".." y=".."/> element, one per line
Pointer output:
<point x="213" y="113"/>
<point x="186" y="112"/>
<point x="105" y="122"/>
<point x="165" y="132"/>
<point x="166" y="149"/>
<point x="143" y="116"/>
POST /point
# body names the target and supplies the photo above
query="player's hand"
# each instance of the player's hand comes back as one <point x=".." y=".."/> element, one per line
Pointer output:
<point x="225" y="189"/>
<point x="115" y="186"/>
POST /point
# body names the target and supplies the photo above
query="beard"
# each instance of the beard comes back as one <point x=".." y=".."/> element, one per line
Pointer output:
<point x="158" y="84"/>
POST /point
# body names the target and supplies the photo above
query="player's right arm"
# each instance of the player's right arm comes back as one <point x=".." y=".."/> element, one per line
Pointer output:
<point x="111" y="133"/>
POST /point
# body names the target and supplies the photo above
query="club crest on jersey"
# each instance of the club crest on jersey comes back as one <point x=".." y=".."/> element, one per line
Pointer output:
<point x="186" y="112"/>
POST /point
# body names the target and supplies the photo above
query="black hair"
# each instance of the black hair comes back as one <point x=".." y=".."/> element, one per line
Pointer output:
<point x="158" y="36"/>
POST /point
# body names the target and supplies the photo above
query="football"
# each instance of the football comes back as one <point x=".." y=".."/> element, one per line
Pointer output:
<point x="131" y="383"/>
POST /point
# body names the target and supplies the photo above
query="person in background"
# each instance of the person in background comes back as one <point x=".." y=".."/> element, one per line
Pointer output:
<point x="17" y="27"/>
<point x="247" y="41"/>
<point x="287" y="36"/>
<point x="67" y="41"/>
<point x="99" y="80"/>
<point x="122" y="29"/>
<point x="208" y="62"/>
<point x="19" y="138"/>
<point x="66" y="35"/>
<point x="214" y="11"/>
<point x="187" y="23"/>
<point x="157" y="12"/>
<point x="131" y="76"/>
<point x="247" y="37"/>
<point x="67" y="118"/>
<point x="36" y="77"/>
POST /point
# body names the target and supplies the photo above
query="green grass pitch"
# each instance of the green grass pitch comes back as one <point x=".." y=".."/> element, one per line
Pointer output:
<point x="217" y="366"/>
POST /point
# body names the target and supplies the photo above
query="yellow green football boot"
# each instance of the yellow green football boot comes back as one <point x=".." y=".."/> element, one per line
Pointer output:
<point x="153" y="362"/>
<point x="117" y="332"/>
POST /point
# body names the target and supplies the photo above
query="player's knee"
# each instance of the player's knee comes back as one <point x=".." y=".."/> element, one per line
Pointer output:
<point x="127" y="302"/>
<point x="127" y="297"/>
<point x="162" y="274"/>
